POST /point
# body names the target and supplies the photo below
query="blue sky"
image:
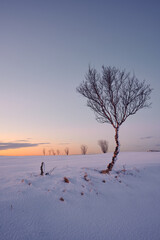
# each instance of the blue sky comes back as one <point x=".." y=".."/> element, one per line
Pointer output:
<point x="45" y="50"/>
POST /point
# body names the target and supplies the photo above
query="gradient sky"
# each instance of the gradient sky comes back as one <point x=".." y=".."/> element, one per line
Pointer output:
<point x="45" y="49"/>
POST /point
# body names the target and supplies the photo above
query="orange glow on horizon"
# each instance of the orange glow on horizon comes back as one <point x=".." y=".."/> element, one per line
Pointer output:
<point x="38" y="151"/>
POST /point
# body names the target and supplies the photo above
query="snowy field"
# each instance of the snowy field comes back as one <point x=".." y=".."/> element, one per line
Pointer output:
<point x="124" y="205"/>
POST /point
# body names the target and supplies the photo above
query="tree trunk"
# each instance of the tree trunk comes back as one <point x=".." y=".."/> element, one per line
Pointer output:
<point x="116" y="152"/>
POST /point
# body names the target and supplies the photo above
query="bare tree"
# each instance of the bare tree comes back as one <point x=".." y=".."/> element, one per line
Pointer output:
<point x="53" y="152"/>
<point x="114" y="96"/>
<point x="84" y="149"/>
<point x="44" y="151"/>
<point x="58" y="152"/>
<point x="103" y="145"/>
<point x="66" y="151"/>
<point x="49" y="151"/>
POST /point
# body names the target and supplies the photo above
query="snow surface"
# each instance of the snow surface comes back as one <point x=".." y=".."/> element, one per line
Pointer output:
<point x="119" y="206"/>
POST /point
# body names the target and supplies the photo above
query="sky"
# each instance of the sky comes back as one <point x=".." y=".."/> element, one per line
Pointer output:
<point x="45" y="50"/>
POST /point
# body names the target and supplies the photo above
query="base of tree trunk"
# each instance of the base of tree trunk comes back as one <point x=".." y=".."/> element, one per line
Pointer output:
<point x="104" y="171"/>
<point x="109" y="168"/>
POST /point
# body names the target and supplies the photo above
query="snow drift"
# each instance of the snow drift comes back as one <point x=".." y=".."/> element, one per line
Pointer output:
<point x="122" y="205"/>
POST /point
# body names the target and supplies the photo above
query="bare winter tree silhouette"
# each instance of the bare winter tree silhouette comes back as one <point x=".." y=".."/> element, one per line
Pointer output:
<point x="66" y="150"/>
<point x="114" y="96"/>
<point x="44" y="151"/>
<point x="49" y="151"/>
<point x="103" y="145"/>
<point x="84" y="149"/>
<point x="53" y="152"/>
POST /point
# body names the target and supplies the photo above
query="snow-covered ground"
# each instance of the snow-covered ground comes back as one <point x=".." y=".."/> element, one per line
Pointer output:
<point x="124" y="205"/>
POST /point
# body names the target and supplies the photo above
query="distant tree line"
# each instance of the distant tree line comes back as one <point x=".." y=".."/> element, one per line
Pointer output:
<point x="84" y="148"/>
